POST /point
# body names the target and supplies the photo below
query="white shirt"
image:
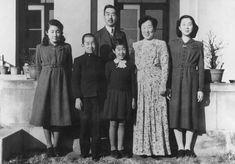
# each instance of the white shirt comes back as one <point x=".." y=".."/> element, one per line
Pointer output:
<point x="110" y="30"/>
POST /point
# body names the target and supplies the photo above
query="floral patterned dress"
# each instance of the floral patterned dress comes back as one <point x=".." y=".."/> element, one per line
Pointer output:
<point x="151" y="136"/>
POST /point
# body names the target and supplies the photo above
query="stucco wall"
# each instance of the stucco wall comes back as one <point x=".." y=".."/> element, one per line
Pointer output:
<point x="217" y="16"/>
<point x="8" y="30"/>
<point x="75" y="16"/>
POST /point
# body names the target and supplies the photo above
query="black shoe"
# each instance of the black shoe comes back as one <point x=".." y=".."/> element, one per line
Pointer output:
<point x="95" y="158"/>
<point x="84" y="155"/>
<point x="190" y="153"/>
<point x="115" y="154"/>
<point x="123" y="154"/>
<point x="56" y="152"/>
<point x="50" y="152"/>
<point x="180" y="154"/>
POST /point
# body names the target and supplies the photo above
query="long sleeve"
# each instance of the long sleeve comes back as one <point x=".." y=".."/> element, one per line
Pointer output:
<point x="76" y="79"/>
<point x="169" y="81"/>
<point x="164" y="62"/>
<point x="69" y="63"/>
<point x="38" y="61"/>
<point x="133" y="82"/>
<point x="201" y="69"/>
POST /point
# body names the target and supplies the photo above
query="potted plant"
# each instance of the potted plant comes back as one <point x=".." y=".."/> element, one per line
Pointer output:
<point x="29" y="64"/>
<point x="213" y="59"/>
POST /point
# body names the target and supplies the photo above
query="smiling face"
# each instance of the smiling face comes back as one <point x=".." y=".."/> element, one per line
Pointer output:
<point x="54" y="34"/>
<point x="120" y="52"/>
<point x="110" y="17"/>
<point x="89" y="44"/>
<point x="147" y="30"/>
<point x="186" y="27"/>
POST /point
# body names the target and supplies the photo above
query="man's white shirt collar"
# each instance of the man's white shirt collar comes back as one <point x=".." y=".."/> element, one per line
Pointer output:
<point x="109" y="29"/>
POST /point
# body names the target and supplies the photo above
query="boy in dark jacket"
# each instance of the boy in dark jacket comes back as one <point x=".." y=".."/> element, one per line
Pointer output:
<point x="87" y="78"/>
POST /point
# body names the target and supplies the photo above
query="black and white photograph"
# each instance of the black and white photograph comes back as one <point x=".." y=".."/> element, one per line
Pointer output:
<point x="117" y="81"/>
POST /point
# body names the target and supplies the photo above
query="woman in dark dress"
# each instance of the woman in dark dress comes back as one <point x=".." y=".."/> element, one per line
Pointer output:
<point x="187" y="82"/>
<point x="51" y="106"/>
<point x="120" y="97"/>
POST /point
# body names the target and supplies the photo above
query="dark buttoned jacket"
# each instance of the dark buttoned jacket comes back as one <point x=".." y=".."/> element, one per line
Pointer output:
<point x="87" y="76"/>
<point x="106" y="42"/>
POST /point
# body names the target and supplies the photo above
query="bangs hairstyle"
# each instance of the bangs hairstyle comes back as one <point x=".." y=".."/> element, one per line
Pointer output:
<point x="151" y="19"/>
<point x="195" y="26"/>
<point x="87" y="35"/>
<point x="54" y="22"/>
<point x="110" y="6"/>
<point x="119" y="42"/>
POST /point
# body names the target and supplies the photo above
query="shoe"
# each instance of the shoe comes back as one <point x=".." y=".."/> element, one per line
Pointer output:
<point x="123" y="154"/>
<point x="50" y="152"/>
<point x="95" y="158"/>
<point x="84" y="155"/>
<point x="190" y="153"/>
<point x="56" y="152"/>
<point x="115" y="154"/>
<point x="180" y="154"/>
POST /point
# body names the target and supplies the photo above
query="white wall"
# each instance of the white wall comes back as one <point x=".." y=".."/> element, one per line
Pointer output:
<point x="8" y="30"/>
<point x="100" y="12"/>
<point x="75" y="16"/>
<point x="217" y="16"/>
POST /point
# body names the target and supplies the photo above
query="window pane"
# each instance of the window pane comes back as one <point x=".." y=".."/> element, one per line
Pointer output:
<point x="157" y="14"/>
<point x="128" y="18"/>
<point x="34" y="19"/>
<point x="34" y="38"/>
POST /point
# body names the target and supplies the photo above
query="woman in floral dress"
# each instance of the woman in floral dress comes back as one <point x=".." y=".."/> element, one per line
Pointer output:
<point x="151" y="135"/>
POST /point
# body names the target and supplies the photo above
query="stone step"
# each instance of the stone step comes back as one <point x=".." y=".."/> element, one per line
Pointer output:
<point x="10" y="142"/>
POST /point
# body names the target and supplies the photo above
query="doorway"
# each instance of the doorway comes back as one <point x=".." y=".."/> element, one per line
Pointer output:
<point x="130" y="13"/>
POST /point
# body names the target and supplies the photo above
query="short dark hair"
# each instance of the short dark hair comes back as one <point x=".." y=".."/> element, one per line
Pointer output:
<point x="118" y="42"/>
<point x="195" y="26"/>
<point x="110" y="6"/>
<point x="151" y="19"/>
<point x="57" y="23"/>
<point x="87" y="35"/>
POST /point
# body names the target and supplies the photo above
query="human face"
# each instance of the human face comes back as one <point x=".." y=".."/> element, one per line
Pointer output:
<point x="89" y="44"/>
<point x="54" y="34"/>
<point x="147" y="30"/>
<point x="110" y="17"/>
<point x="186" y="27"/>
<point x="120" y="52"/>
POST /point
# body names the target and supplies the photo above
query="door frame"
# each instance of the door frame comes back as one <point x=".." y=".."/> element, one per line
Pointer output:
<point x="148" y="6"/>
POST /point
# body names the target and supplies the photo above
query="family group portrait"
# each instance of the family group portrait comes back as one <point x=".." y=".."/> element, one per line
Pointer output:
<point x="117" y="81"/>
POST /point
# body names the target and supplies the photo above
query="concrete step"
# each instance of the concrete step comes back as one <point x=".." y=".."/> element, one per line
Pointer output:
<point x="11" y="142"/>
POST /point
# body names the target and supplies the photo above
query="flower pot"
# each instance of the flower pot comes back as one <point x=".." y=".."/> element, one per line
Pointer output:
<point x="32" y="72"/>
<point x="3" y="69"/>
<point x="213" y="75"/>
<point x="14" y="70"/>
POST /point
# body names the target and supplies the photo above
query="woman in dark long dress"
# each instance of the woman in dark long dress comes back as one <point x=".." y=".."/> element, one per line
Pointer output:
<point x="187" y="82"/>
<point x="51" y="106"/>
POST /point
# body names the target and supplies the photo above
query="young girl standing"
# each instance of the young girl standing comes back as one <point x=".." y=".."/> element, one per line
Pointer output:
<point x="187" y="82"/>
<point x="51" y="106"/>
<point x="120" y="97"/>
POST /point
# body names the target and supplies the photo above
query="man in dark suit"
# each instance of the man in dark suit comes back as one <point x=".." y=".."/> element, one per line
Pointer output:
<point x="87" y="76"/>
<point x="107" y="36"/>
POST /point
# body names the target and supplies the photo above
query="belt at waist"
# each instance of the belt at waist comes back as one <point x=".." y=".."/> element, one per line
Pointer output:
<point x="52" y="66"/>
<point x="185" y="66"/>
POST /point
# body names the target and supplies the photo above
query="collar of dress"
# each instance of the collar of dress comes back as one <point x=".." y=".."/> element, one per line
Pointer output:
<point x="120" y="63"/>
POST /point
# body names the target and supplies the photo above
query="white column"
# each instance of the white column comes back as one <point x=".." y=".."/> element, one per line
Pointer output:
<point x="76" y="18"/>
<point x="8" y="30"/>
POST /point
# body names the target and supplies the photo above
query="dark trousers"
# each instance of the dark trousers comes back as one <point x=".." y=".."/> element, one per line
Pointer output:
<point x="90" y="126"/>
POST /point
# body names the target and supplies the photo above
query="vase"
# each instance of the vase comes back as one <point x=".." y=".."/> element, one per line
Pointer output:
<point x="26" y="70"/>
<point x="32" y="72"/>
<point x="3" y="69"/>
<point x="14" y="70"/>
<point x="213" y="75"/>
